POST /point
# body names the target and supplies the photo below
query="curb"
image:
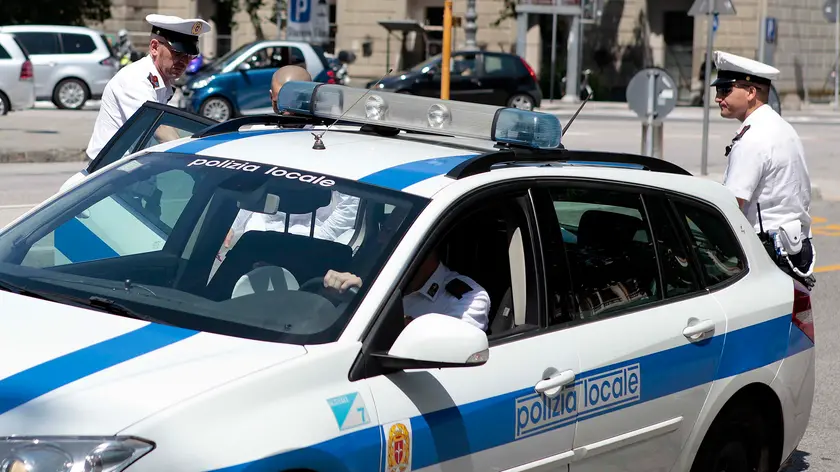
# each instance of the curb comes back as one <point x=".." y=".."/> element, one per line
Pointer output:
<point x="48" y="155"/>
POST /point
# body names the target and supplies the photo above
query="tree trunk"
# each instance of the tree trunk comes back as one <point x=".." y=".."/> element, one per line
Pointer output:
<point x="252" y="7"/>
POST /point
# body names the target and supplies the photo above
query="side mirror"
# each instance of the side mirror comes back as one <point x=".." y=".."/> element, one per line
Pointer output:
<point x="243" y="67"/>
<point x="436" y="341"/>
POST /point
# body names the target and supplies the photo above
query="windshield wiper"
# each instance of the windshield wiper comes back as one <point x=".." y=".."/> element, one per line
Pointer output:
<point x="116" y="308"/>
<point x="39" y="294"/>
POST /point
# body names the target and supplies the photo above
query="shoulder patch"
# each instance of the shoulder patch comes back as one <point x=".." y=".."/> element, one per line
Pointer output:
<point x="153" y="80"/>
<point x="457" y="288"/>
<point x="736" y="139"/>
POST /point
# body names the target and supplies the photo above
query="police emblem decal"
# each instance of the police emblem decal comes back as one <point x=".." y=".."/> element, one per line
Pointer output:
<point x="153" y="80"/>
<point x="433" y="289"/>
<point x="196" y="27"/>
<point x="399" y="448"/>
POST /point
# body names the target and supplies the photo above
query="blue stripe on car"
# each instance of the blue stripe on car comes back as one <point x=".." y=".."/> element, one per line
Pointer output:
<point x="41" y="379"/>
<point x="80" y="244"/>
<point x="405" y="175"/>
<point x="201" y="144"/>
<point x="470" y="428"/>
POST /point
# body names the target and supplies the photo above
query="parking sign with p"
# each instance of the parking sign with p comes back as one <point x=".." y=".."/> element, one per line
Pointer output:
<point x="300" y="11"/>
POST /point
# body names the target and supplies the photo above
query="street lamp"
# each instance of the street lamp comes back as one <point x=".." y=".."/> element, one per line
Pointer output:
<point x="470" y="27"/>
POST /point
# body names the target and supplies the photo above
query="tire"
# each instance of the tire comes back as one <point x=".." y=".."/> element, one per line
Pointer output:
<point x="523" y="101"/>
<point x="738" y="441"/>
<point x="216" y="108"/>
<point x="70" y="94"/>
<point x="5" y="104"/>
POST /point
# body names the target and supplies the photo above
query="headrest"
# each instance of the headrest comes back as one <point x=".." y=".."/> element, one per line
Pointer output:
<point x="600" y="228"/>
<point x="273" y="195"/>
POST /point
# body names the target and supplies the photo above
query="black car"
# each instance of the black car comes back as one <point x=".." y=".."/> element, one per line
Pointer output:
<point x="493" y="78"/>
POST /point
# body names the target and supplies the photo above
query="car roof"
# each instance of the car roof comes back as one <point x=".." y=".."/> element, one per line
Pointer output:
<point x="418" y="163"/>
<point x="50" y="28"/>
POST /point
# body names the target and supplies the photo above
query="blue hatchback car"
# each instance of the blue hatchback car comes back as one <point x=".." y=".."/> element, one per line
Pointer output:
<point x="238" y="83"/>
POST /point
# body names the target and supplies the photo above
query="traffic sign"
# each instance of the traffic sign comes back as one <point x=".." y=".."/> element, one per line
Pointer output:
<point x="721" y="7"/>
<point x="830" y="11"/>
<point x="770" y="30"/>
<point x="661" y="102"/>
<point x="715" y="23"/>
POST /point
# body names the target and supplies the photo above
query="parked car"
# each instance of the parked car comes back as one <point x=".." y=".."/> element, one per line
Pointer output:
<point x="238" y="83"/>
<point x="72" y="63"/>
<point x="17" y="80"/>
<point x="492" y="78"/>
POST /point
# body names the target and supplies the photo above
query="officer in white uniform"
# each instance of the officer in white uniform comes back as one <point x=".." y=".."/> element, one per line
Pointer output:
<point x="435" y="288"/>
<point x="766" y="168"/>
<point x="173" y="44"/>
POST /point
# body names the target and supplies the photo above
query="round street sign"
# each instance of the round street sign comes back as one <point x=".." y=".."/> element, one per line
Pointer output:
<point x="829" y="10"/>
<point x="664" y="93"/>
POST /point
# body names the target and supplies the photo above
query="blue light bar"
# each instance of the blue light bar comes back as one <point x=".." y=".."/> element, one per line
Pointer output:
<point x="527" y="128"/>
<point x="426" y="114"/>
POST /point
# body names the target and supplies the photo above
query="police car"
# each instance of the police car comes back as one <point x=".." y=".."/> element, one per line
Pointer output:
<point x="636" y="321"/>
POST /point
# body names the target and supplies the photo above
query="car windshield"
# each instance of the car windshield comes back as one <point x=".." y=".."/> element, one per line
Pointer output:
<point x="228" y="57"/>
<point x="216" y="245"/>
<point x="433" y="61"/>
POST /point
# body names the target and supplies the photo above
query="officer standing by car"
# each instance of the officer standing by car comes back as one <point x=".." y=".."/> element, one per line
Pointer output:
<point x="173" y="44"/>
<point x="766" y="169"/>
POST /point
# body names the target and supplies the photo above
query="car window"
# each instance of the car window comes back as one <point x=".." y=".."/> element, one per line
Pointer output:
<point x="22" y="48"/>
<point x="275" y="57"/>
<point x="100" y="240"/>
<point x="140" y="210"/>
<point x="141" y="132"/>
<point x="77" y="43"/>
<point x="39" y="43"/>
<point x="610" y="252"/>
<point x="713" y="241"/>
<point x="464" y="65"/>
<point x="678" y="274"/>
<point x="4" y="54"/>
<point x="499" y="66"/>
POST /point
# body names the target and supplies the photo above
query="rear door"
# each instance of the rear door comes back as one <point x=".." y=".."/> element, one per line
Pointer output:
<point x="648" y="334"/>
<point x="44" y="50"/>
<point x="500" y="77"/>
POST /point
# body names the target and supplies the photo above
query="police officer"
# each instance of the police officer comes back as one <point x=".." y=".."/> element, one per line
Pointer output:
<point x="766" y="168"/>
<point x="173" y="44"/>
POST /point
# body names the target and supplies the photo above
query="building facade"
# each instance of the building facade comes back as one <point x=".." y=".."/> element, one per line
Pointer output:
<point x="627" y="36"/>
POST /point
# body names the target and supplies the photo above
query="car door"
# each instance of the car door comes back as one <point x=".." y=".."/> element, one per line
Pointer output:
<point x="255" y="72"/>
<point x="516" y="412"/>
<point x="500" y="77"/>
<point x="648" y="335"/>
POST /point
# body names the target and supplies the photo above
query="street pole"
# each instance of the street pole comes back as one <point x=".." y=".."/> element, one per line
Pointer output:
<point x="762" y="31"/>
<point x="447" y="49"/>
<point x="836" y="54"/>
<point x="553" y="55"/>
<point x="704" y="156"/>
<point x="470" y="27"/>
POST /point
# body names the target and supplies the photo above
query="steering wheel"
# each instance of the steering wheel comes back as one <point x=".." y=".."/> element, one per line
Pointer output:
<point x="316" y="285"/>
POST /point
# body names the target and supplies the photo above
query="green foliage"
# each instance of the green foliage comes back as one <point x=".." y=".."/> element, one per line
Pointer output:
<point x="56" y="12"/>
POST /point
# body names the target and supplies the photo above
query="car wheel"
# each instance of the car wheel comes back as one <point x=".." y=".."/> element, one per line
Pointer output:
<point x="5" y="105"/>
<point x="736" y="442"/>
<point x="216" y="108"/>
<point x="70" y="94"/>
<point x="521" y="101"/>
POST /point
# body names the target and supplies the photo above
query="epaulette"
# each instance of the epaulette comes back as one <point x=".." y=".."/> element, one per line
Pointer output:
<point x="457" y="288"/>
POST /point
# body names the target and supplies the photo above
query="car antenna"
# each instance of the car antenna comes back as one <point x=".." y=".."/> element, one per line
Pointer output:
<point x="319" y="145"/>
<point x="576" y="113"/>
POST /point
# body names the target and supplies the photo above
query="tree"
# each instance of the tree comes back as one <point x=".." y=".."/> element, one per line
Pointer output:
<point x="508" y="11"/>
<point x="253" y="7"/>
<point x="56" y="12"/>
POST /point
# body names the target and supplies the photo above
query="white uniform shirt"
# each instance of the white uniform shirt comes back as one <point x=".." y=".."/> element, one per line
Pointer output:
<point x="127" y="91"/>
<point x="473" y="306"/>
<point x="767" y="166"/>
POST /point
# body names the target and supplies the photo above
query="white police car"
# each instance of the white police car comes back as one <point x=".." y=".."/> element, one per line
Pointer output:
<point x="636" y="322"/>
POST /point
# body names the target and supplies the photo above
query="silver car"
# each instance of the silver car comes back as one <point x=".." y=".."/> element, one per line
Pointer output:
<point x="17" y="83"/>
<point x="72" y="63"/>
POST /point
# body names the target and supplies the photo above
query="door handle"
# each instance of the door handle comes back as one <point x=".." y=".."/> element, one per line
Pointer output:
<point x="695" y="331"/>
<point x="552" y="386"/>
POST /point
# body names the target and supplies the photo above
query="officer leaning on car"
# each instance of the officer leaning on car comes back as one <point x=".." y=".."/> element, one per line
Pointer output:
<point x="173" y="44"/>
<point x="766" y="168"/>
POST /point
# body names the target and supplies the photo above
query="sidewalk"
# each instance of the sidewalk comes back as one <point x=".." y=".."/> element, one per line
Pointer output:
<point x="809" y="113"/>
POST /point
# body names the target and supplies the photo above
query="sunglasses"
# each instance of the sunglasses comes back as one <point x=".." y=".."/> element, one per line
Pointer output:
<point x="178" y="56"/>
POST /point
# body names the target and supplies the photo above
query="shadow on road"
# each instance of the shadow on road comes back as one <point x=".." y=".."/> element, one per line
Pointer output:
<point x="797" y="462"/>
<point x="31" y="131"/>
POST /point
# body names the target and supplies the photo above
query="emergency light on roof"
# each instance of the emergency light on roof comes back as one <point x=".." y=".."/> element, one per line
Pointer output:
<point x="425" y="114"/>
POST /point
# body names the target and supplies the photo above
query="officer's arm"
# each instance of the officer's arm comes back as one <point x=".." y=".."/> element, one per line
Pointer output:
<point x="342" y="219"/>
<point x="746" y="168"/>
<point x="474" y="308"/>
<point x="166" y="133"/>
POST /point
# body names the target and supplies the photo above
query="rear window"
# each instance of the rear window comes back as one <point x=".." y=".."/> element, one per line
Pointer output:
<point x="319" y="51"/>
<point x="4" y="54"/>
<point x="39" y="43"/>
<point x="77" y="43"/>
<point x="22" y="48"/>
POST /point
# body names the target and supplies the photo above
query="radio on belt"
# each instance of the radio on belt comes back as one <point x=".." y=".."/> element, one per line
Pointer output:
<point x="430" y="115"/>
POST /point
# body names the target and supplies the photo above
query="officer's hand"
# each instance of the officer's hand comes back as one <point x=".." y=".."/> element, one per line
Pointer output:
<point x="229" y="238"/>
<point x="341" y="281"/>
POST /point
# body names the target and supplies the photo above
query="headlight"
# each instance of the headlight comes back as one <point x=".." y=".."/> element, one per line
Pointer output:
<point x="200" y="83"/>
<point x="64" y="454"/>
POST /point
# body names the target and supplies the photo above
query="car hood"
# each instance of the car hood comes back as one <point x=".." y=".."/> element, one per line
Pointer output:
<point x="73" y="371"/>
